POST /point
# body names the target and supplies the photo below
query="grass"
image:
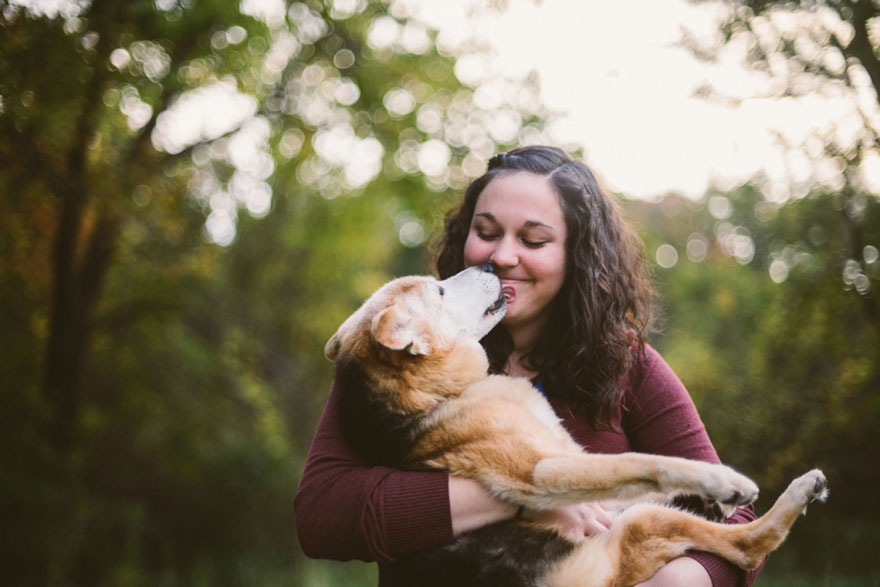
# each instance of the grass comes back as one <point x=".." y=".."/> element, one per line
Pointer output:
<point x="801" y="580"/>
<point x="317" y="573"/>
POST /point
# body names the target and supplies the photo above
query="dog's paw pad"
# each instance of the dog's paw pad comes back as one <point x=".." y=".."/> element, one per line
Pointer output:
<point x="820" y="485"/>
<point x="809" y="488"/>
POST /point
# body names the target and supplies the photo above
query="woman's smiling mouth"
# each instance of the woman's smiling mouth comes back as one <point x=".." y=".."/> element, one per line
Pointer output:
<point x="508" y="289"/>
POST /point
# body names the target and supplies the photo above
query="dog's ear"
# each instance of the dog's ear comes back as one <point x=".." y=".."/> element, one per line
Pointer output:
<point x="394" y="329"/>
<point x="331" y="349"/>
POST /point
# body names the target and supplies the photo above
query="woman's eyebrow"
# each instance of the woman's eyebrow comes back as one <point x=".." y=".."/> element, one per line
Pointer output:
<point x="485" y="215"/>
<point x="528" y="223"/>
<point x="534" y="223"/>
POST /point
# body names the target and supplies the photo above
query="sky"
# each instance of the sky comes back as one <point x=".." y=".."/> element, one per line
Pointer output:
<point x="625" y="85"/>
<point x="615" y="69"/>
<point x="628" y="91"/>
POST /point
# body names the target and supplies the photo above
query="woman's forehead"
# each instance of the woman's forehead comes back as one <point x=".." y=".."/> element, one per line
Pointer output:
<point x="522" y="197"/>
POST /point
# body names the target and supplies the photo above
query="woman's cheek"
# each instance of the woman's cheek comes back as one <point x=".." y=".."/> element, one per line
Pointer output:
<point x="474" y="254"/>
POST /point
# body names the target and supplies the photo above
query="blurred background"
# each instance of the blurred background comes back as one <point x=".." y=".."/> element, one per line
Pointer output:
<point x="195" y="193"/>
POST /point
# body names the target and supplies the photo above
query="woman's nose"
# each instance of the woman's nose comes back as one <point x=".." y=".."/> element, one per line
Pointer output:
<point x="504" y="254"/>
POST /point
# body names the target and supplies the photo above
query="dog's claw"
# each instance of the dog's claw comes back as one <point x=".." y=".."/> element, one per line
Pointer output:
<point x="733" y="499"/>
<point x="739" y="499"/>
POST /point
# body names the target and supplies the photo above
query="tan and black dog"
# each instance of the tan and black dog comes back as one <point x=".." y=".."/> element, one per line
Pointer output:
<point x="416" y="394"/>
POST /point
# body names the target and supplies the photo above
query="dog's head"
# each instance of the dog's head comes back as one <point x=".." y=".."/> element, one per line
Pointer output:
<point x="420" y="316"/>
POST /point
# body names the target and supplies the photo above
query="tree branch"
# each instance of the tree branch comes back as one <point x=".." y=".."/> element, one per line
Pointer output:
<point x="860" y="47"/>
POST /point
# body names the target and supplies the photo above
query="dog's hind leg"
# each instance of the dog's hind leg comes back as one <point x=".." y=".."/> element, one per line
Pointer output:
<point x="646" y="537"/>
<point x="576" y="477"/>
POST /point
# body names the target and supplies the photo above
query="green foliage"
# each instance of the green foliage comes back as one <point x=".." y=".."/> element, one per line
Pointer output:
<point x="168" y="288"/>
<point x="785" y="375"/>
<point x="169" y="278"/>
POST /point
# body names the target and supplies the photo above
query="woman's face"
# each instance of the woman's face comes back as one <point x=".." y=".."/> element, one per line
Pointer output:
<point x="518" y="225"/>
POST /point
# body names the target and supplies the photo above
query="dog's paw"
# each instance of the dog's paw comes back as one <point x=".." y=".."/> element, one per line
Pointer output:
<point x="729" y="489"/>
<point x="808" y="488"/>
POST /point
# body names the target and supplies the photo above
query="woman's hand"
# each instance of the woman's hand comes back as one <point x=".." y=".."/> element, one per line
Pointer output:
<point x="573" y="521"/>
<point x="680" y="572"/>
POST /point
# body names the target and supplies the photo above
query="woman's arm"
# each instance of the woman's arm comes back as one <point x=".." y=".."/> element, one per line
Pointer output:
<point x="347" y="510"/>
<point x="680" y="572"/>
<point x="660" y="418"/>
<point x="472" y="506"/>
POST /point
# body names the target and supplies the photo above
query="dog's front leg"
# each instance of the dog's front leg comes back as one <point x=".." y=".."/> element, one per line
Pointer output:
<point x="577" y="477"/>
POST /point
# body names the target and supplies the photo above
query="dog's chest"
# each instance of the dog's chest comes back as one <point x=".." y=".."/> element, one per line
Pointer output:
<point x="543" y="412"/>
<point x="521" y="397"/>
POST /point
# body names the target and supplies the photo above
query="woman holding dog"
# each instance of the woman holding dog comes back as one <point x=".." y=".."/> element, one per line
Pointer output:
<point x="578" y="307"/>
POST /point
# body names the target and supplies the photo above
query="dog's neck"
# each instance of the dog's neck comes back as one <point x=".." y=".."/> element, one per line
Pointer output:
<point x="418" y="384"/>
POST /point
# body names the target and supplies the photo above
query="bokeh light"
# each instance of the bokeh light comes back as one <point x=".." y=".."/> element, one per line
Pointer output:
<point x="666" y="255"/>
<point x="697" y="248"/>
<point x="778" y="270"/>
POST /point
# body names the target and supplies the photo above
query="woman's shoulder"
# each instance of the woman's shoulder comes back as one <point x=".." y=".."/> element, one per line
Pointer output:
<point x="648" y="373"/>
<point x="644" y="359"/>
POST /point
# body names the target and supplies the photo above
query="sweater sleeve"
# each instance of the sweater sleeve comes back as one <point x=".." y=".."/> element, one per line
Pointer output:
<point x="348" y="510"/>
<point x="660" y="418"/>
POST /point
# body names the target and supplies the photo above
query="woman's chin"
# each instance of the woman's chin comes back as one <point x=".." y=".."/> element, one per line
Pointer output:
<point x="510" y="318"/>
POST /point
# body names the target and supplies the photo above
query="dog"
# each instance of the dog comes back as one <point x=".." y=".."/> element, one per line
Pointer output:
<point x="416" y="394"/>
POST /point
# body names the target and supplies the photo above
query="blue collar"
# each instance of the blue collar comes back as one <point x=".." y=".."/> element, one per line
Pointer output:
<point x="539" y="386"/>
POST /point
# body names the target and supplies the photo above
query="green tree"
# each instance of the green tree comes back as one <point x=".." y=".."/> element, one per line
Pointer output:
<point x="816" y="343"/>
<point x="171" y="267"/>
<point x="768" y="322"/>
<point x="806" y="50"/>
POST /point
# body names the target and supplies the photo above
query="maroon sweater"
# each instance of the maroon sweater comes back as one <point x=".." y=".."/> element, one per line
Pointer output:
<point x="347" y="510"/>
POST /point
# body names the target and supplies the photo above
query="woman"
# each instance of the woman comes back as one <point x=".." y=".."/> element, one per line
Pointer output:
<point x="579" y="304"/>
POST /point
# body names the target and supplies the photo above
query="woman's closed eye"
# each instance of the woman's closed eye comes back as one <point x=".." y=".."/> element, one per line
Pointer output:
<point x="526" y="240"/>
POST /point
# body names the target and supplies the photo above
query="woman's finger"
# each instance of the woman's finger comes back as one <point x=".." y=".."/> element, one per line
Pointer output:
<point x="603" y="517"/>
<point x="594" y="528"/>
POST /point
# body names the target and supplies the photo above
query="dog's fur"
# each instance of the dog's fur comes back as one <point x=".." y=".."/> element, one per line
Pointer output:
<point x="416" y="394"/>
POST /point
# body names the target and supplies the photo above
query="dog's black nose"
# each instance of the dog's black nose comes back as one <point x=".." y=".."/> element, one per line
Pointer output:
<point x="487" y="267"/>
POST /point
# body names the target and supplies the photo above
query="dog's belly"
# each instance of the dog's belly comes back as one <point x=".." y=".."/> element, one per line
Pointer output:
<point x="511" y="555"/>
<point x="590" y="564"/>
<point x="508" y="553"/>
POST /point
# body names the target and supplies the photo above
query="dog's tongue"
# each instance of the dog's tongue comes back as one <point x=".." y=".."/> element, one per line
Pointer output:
<point x="509" y="293"/>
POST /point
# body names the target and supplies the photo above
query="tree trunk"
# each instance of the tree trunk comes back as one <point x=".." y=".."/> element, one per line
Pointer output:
<point x="78" y="280"/>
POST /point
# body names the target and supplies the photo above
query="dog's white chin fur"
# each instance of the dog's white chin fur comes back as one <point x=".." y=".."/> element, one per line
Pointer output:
<point x="471" y="300"/>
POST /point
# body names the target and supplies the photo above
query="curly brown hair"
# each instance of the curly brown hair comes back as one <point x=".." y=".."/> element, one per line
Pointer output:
<point x="601" y="316"/>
